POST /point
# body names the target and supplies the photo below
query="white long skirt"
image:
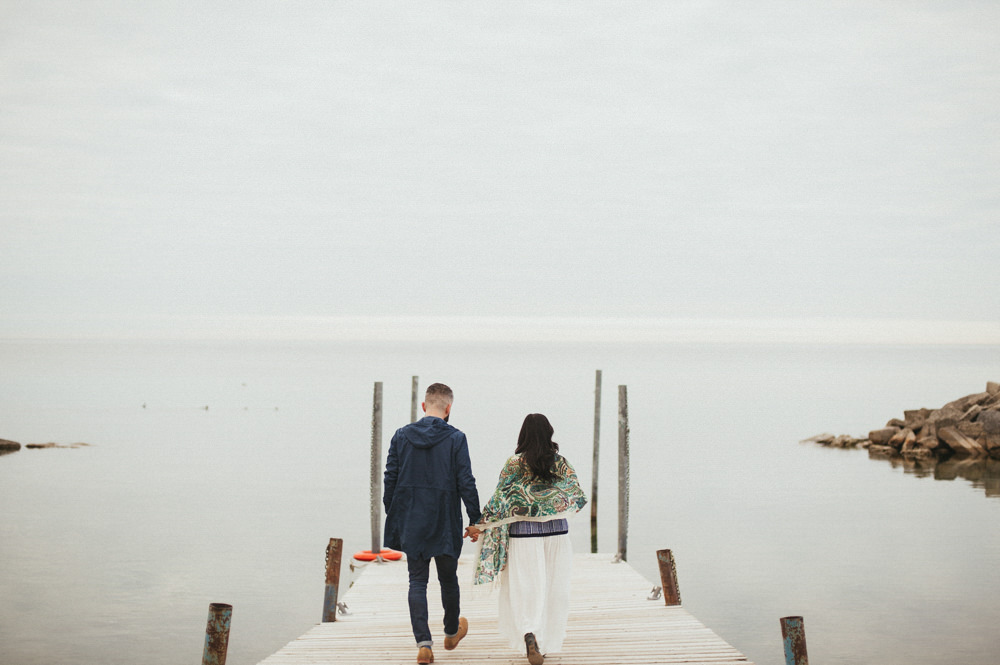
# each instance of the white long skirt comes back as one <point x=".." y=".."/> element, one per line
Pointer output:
<point x="534" y="591"/>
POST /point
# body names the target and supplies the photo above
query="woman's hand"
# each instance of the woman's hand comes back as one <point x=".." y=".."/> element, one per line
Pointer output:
<point x="472" y="533"/>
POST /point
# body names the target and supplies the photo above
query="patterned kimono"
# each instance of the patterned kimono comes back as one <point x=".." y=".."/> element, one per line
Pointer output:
<point x="520" y="496"/>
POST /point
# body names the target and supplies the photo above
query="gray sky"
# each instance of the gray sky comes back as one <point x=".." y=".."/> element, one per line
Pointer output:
<point x="703" y="160"/>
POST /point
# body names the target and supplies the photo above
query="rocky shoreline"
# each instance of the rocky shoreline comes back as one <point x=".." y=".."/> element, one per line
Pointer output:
<point x="968" y="427"/>
<point x="7" y="446"/>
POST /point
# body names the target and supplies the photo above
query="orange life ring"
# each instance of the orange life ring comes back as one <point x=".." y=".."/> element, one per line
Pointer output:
<point x="388" y="555"/>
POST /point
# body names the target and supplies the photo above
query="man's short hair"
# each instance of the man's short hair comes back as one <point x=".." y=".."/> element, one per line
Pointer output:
<point x="439" y="395"/>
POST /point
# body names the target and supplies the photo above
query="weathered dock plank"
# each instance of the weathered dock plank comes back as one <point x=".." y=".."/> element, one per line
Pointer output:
<point x="611" y="621"/>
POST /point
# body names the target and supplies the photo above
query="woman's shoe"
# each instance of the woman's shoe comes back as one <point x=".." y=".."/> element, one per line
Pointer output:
<point x="425" y="656"/>
<point x="534" y="657"/>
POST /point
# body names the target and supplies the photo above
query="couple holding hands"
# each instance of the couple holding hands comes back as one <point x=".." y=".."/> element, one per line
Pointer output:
<point x="525" y="551"/>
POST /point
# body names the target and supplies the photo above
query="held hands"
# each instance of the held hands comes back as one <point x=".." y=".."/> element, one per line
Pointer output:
<point x="472" y="533"/>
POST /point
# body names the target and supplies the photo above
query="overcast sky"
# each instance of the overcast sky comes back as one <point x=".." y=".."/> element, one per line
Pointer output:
<point x="660" y="160"/>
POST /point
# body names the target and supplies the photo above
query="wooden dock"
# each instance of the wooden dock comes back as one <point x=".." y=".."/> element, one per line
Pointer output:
<point x="611" y="622"/>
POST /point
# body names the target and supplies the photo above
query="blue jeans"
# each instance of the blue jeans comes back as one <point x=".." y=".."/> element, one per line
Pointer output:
<point x="447" y="572"/>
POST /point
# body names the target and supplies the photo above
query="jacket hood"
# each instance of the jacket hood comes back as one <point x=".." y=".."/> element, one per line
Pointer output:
<point x="428" y="432"/>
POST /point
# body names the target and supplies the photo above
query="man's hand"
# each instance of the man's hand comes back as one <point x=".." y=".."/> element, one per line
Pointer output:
<point x="472" y="533"/>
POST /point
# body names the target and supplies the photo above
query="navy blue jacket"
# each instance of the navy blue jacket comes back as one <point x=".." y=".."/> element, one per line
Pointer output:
<point x="428" y="475"/>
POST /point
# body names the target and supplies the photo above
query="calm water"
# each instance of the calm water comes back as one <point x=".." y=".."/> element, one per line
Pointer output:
<point x="114" y="551"/>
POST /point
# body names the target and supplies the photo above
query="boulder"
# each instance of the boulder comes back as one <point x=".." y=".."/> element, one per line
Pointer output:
<point x="9" y="445"/>
<point x="881" y="437"/>
<point x="916" y="418"/>
<point x="946" y="416"/>
<point x="993" y="388"/>
<point x="958" y="442"/>
<point x="963" y="403"/>
<point x="875" y="450"/>
<point x="990" y="420"/>
<point x="902" y="437"/>
<point x="970" y="429"/>
<point x="896" y="422"/>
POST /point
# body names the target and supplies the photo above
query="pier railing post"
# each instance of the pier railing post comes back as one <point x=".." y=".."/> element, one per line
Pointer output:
<point x="413" y="399"/>
<point x="217" y="634"/>
<point x="376" y="471"/>
<point x="668" y="577"/>
<point x="793" y="633"/>
<point x="623" y="474"/>
<point x="334" y="553"/>
<point x="596" y="464"/>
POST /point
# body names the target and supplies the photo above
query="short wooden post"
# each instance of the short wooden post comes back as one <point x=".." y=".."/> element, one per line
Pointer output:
<point x="596" y="463"/>
<point x="334" y="552"/>
<point x="413" y="399"/>
<point x="623" y="474"/>
<point x="217" y="634"/>
<point x="668" y="577"/>
<point x="376" y="471"/>
<point x="793" y="633"/>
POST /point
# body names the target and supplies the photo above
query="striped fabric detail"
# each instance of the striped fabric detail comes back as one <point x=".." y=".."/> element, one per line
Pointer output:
<point x="538" y="529"/>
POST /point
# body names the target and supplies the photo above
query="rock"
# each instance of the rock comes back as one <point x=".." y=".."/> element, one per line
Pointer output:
<point x="875" y="450"/>
<point x="993" y="388"/>
<point x="824" y="439"/>
<point x="970" y="429"/>
<point x="881" y="437"/>
<point x="900" y="438"/>
<point x="990" y="420"/>
<point x="963" y="403"/>
<point x="9" y="445"/>
<point x="916" y="418"/>
<point x="946" y="416"/>
<point x="896" y="422"/>
<point x="42" y="445"/>
<point x="929" y="440"/>
<point x="959" y="443"/>
<point x="905" y="440"/>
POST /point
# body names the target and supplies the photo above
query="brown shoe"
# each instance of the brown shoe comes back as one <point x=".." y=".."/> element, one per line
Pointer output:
<point x="425" y="656"/>
<point x="463" y="629"/>
<point x="534" y="657"/>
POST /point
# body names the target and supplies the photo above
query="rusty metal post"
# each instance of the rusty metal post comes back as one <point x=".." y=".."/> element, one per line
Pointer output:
<point x="597" y="447"/>
<point x="413" y="399"/>
<point x="376" y="470"/>
<point x="623" y="474"/>
<point x="217" y="634"/>
<point x="793" y="632"/>
<point x="668" y="577"/>
<point x="334" y="553"/>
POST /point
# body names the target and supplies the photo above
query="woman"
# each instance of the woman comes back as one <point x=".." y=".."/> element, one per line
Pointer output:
<point x="526" y="549"/>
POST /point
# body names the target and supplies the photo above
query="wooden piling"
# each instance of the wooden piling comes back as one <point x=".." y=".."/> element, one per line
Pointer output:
<point x="668" y="577"/>
<point x="413" y="399"/>
<point x="217" y="634"/>
<point x="376" y="471"/>
<point x="334" y="553"/>
<point x="596" y="463"/>
<point x="623" y="473"/>
<point x="793" y="633"/>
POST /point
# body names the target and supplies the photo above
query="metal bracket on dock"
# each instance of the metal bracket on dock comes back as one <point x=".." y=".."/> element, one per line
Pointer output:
<point x="655" y="593"/>
<point x="342" y="608"/>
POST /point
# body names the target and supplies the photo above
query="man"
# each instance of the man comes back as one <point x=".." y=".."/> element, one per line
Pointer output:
<point x="428" y="475"/>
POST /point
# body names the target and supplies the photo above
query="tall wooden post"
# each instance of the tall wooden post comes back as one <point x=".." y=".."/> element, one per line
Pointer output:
<point x="413" y="399"/>
<point x="596" y="463"/>
<point x="793" y="633"/>
<point x="668" y="577"/>
<point x="376" y="471"/>
<point x="334" y="553"/>
<point x="623" y="476"/>
<point x="217" y="634"/>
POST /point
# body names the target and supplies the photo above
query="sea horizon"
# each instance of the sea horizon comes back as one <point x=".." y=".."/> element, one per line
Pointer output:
<point x="511" y="329"/>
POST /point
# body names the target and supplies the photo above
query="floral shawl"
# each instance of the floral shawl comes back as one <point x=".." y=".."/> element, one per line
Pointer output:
<point x="520" y="496"/>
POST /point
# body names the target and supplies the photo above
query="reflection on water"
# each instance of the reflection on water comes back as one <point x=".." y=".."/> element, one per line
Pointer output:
<point x="981" y="472"/>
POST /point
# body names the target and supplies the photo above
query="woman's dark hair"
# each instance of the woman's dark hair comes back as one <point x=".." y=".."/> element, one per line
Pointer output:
<point x="536" y="446"/>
